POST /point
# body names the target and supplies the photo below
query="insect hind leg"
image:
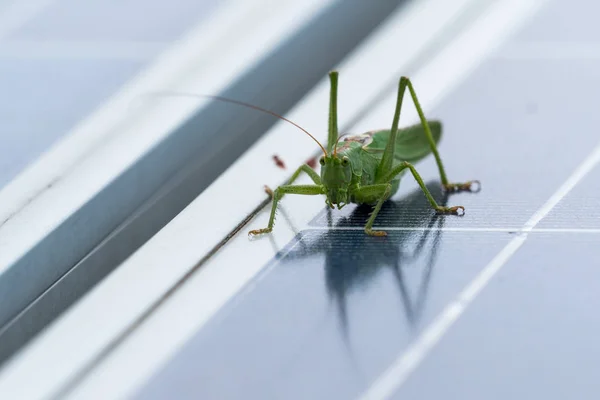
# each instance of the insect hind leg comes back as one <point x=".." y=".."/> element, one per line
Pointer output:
<point x="449" y="186"/>
<point x="441" y="209"/>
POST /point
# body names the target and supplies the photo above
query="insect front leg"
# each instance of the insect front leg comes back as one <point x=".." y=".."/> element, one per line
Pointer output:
<point x="401" y="167"/>
<point x="278" y="194"/>
<point x="309" y="171"/>
<point x="304" y="168"/>
<point x="404" y="82"/>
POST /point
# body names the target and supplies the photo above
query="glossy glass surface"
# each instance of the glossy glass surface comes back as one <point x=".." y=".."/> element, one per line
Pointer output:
<point x="336" y="308"/>
<point x="61" y="59"/>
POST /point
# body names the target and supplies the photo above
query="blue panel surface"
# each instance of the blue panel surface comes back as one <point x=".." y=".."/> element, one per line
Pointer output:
<point x="44" y="96"/>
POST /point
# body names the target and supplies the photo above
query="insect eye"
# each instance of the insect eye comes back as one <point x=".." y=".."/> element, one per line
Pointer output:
<point x="345" y="161"/>
<point x="322" y="160"/>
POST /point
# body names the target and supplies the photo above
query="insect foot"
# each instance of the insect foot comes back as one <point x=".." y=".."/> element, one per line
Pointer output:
<point x="269" y="191"/>
<point x="259" y="231"/>
<point x="451" y="210"/>
<point x="371" y="232"/>
<point x="467" y="186"/>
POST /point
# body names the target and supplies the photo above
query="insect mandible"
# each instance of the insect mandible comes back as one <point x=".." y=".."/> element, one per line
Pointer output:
<point x="366" y="168"/>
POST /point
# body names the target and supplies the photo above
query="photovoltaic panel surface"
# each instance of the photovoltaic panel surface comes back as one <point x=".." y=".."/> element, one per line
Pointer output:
<point x="324" y="319"/>
<point x="314" y="19"/>
<point x="531" y="334"/>
<point x="61" y="59"/>
<point x="335" y="309"/>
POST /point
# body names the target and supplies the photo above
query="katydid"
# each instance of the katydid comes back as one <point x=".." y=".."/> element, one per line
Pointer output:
<point x="366" y="168"/>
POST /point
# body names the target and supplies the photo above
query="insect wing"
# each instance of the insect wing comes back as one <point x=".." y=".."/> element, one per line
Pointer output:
<point x="411" y="142"/>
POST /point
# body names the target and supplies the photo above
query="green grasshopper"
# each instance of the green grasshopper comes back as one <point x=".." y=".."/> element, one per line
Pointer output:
<point x="366" y="168"/>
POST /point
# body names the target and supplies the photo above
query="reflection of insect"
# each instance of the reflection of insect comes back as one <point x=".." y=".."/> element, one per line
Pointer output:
<point x="366" y="169"/>
<point x="352" y="260"/>
<point x="278" y="161"/>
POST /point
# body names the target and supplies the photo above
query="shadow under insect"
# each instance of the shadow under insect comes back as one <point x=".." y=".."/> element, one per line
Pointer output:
<point x="353" y="259"/>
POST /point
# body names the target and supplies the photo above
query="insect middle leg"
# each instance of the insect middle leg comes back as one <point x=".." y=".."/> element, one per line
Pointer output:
<point x="278" y="194"/>
<point x="385" y="188"/>
<point x="303" y="168"/>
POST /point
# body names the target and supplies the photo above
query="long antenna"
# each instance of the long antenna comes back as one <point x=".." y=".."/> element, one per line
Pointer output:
<point x="241" y="103"/>
<point x="336" y="143"/>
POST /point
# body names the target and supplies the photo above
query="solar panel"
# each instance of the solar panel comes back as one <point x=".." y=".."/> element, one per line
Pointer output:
<point x="335" y="315"/>
<point x="526" y="332"/>
<point x="330" y="312"/>
<point x="494" y="304"/>
<point x="59" y="63"/>
<point x="62" y="59"/>
<point x="121" y="172"/>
